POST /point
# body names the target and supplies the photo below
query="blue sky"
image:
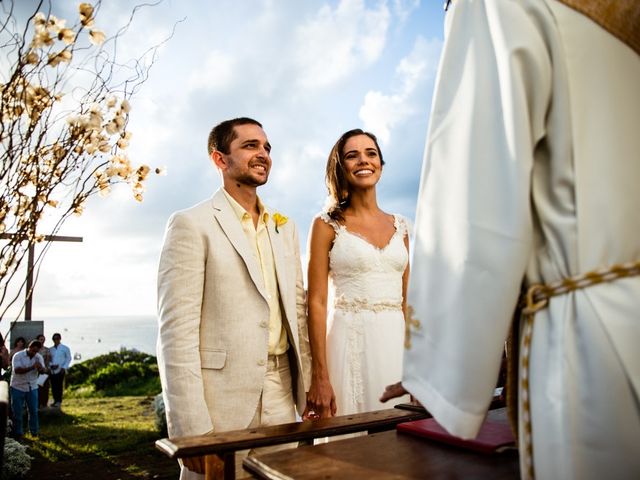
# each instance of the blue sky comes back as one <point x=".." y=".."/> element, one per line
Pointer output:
<point x="308" y="70"/>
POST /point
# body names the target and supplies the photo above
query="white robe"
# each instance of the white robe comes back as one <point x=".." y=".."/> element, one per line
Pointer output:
<point x="532" y="167"/>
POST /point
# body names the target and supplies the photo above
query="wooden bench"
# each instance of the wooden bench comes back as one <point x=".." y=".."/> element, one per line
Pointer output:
<point x="225" y="444"/>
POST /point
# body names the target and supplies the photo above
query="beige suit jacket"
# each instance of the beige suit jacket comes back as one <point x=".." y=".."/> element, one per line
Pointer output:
<point x="213" y="319"/>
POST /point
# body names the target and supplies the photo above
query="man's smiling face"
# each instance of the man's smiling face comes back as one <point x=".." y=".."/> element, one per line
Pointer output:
<point x="248" y="161"/>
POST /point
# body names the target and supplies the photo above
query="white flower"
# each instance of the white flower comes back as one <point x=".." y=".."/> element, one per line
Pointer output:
<point x="67" y="36"/>
<point x="111" y="128"/>
<point x="39" y="20"/>
<point x="119" y="121"/>
<point x="105" y="190"/>
<point x="32" y="58"/>
<point x="41" y="38"/>
<point x="16" y="459"/>
<point x="96" y="37"/>
<point x="95" y="120"/>
<point x="56" y="58"/>
<point x="56" y="23"/>
<point x="86" y="14"/>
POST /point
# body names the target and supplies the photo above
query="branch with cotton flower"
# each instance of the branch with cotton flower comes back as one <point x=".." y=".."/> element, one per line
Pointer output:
<point x="64" y="112"/>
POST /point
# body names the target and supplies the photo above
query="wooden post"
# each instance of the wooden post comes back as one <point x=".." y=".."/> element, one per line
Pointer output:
<point x="28" y="299"/>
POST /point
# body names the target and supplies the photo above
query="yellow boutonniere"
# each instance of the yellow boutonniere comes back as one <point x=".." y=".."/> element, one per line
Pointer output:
<point x="279" y="220"/>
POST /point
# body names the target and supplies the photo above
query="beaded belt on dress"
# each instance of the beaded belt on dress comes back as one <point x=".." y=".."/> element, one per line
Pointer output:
<point x="537" y="298"/>
<point x="362" y="304"/>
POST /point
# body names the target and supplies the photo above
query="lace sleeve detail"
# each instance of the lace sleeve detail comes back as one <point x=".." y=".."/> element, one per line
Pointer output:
<point x="328" y="220"/>
<point x="405" y="226"/>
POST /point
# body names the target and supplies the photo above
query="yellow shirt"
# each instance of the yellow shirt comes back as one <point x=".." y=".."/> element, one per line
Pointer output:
<point x="258" y="238"/>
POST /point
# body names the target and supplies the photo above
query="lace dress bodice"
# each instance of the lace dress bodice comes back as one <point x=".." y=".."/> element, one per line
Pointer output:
<point x="363" y="275"/>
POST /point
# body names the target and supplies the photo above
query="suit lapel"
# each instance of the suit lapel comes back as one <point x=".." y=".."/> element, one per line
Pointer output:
<point x="277" y="247"/>
<point x="233" y="230"/>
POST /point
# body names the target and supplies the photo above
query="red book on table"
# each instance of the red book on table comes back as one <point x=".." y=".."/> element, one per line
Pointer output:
<point x="493" y="437"/>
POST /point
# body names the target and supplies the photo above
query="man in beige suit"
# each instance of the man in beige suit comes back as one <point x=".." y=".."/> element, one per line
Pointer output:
<point x="233" y="346"/>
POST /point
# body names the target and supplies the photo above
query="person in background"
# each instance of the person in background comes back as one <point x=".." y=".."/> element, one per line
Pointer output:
<point x="43" y="390"/>
<point x="19" y="344"/>
<point x="26" y="365"/>
<point x="60" y="360"/>
<point x="4" y="355"/>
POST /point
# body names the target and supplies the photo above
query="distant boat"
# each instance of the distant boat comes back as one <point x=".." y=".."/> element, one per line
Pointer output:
<point x="77" y="356"/>
<point x="99" y="340"/>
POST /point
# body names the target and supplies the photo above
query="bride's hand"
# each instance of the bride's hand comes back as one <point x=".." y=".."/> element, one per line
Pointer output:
<point x="321" y="401"/>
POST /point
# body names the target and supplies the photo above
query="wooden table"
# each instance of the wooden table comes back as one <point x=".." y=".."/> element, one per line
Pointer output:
<point x="225" y="444"/>
<point x="385" y="455"/>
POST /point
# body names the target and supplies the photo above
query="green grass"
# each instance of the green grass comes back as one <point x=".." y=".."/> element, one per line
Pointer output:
<point x="96" y="426"/>
<point x="107" y="421"/>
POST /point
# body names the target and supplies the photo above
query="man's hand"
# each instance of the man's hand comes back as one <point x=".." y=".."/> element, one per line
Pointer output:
<point x="205" y="463"/>
<point x="393" y="391"/>
<point x="321" y="401"/>
<point x="38" y="366"/>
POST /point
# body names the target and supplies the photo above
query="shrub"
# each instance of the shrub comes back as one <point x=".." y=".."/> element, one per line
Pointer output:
<point x="79" y="373"/>
<point x="115" y="374"/>
<point x="161" y="417"/>
<point x="16" y="461"/>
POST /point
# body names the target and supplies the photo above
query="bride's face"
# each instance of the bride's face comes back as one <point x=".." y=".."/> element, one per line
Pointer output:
<point x="361" y="160"/>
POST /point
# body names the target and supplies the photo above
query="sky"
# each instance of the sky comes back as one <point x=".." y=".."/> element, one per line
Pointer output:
<point x="307" y="70"/>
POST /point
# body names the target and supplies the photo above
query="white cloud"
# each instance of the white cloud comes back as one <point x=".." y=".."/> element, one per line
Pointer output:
<point x="216" y="73"/>
<point x="382" y="112"/>
<point x="404" y="8"/>
<point x="301" y="69"/>
<point x="339" y="41"/>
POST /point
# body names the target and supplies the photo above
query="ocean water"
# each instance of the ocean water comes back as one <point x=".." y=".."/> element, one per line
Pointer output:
<point x="89" y="337"/>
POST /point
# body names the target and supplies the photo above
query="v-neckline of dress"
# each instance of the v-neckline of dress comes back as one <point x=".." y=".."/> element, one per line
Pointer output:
<point x="396" y="226"/>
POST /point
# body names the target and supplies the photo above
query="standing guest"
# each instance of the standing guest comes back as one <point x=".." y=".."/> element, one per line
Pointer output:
<point x="232" y="340"/>
<point x="19" y="344"/>
<point x="531" y="172"/>
<point x="26" y="365"/>
<point x="4" y="355"/>
<point x="60" y="360"/>
<point x="358" y="348"/>
<point x="43" y="390"/>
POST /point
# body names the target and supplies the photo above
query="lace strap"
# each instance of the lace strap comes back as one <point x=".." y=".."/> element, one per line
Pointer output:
<point x="402" y="224"/>
<point x="329" y="221"/>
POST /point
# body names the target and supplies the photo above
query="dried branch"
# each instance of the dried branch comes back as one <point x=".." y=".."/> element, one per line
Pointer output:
<point x="64" y="111"/>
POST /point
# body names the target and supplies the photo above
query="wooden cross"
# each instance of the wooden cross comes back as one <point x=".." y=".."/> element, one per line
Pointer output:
<point x="29" y="290"/>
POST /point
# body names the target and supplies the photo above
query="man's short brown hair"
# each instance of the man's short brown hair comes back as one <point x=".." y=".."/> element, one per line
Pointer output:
<point x="223" y="134"/>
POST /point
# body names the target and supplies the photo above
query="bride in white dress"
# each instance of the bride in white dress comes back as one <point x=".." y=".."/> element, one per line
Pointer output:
<point x="358" y="258"/>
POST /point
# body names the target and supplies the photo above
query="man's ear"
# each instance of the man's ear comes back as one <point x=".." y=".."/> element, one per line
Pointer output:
<point x="218" y="160"/>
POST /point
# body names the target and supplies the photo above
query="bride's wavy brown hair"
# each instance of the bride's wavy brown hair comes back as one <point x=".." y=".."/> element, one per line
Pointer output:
<point x="335" y="177"/>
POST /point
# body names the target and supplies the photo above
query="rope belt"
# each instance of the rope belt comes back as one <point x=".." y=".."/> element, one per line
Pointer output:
<point x="536" y="299"/>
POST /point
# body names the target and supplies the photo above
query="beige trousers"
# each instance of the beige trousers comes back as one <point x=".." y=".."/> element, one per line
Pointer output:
<point x="276" y="406"/>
